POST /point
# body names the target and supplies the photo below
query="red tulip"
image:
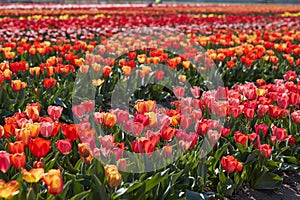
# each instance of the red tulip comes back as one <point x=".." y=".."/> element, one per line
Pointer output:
<point x="230" y="164"/>
<point x="283" y="101"/>
<point x="249" y="112"/>
<point x="241" y="138"/>
<point x="143" y="119"/>
<point x="167" y="133"/>
<point x="225" y="131"/>
<point x="16" y="85"/>
<point x="280" y="133"/>
<point x="106" y="71"/>
<point x="70" y="131"/>
<point x="294" y="98"/>
<point x="49" y="82"/>
<point x="274" y="111"/>
<point x="39" y="147"/>
<point x="63" y="146"/>
<point x="201" y="128"/>
<point x="4" y="161"/>
<point x="261" y="127"/>
<point x="141" y="145"/>
<point x="265" y="150"/>
<point x="296" y="116"/>
<point x="253" y="137"/>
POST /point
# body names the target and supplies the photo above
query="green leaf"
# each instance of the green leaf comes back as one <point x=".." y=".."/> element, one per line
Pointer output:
<point x="100" y="190"/>
<point x="81" y="195"/>
<point x="190" y="195"/>
<point x="267" y="181"/>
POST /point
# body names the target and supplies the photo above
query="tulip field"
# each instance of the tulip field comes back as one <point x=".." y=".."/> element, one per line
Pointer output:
<point x="166" y="102"/>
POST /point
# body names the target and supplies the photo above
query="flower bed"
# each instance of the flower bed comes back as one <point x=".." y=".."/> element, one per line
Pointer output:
<point x="198" y="103"/>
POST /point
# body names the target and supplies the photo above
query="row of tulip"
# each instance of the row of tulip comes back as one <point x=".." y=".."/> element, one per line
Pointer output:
<point x="204" y="142"/>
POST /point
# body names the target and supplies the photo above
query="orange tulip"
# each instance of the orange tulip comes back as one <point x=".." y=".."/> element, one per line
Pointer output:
<point x="109" y="119"/>
<point x="34" y="129"/>
<point x="16" y="85"/>
<point x="23" y="135"/>
<point x="33" y="111"/>
<point x="145" y="106"/>
<point x="33" y="176"/>
<point x="18" y="160"/>
<point x="16" y="147"/>
<point x="9" y="189"/>
<point x="54" y="181"/>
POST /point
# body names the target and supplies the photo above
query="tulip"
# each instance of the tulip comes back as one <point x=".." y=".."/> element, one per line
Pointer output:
<point x="23" y="135"/>
<point x="195" y="91"/>
<point x="63" y="146"/>
<point x="18" y="160"/>
<point x="201" y="128"/>
<point x="39" y="147"/>
<point x="159" y="75"/>
<point x="106" y="71"/>
<point x="33" y="111"/>
<point x="16" y="85"/>
<point x="46" y="128"/>
<point x="4" y="161"/>
<point x="141" y="145"/>
<point x="225" y="131"/>
<point x="55" y="112"/>
<point x="109" y="119"/>
<point x="70" y="131"/>
<point x="178" y="91"/>
<point x="167" y="133"/>
<point x="241" y="138"/>
<point x="49" y="82"/>
<point x="39" y="164"/>
<point x="167" y="151"/>
<point x="53" y="179"/>
<point x="296" y="116"/>
<point x="261" y="127"/>
<point x="280" y="133"/>
<point x="265" y="150"/>
<point x="143" y="119"/>
<point x="16" y="147"/>
<point x="230" y="164"/>
<point x="33" y="176"/>
<point x="114" y="178"/>
<point x="9" y="189"/>
<point x="145" y="106"/>
<point x="107" y="141"/>
<point x="34" y="129"/>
